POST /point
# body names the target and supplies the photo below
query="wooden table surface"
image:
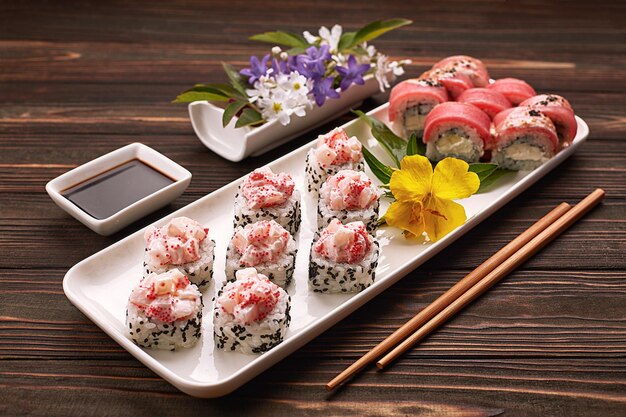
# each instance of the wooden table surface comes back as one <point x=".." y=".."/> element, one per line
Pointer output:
<point x="79" y="79"/>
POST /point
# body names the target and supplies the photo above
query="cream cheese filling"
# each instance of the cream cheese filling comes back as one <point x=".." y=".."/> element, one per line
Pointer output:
<point x="453" y="144"/>
<point x="524" y="152"/>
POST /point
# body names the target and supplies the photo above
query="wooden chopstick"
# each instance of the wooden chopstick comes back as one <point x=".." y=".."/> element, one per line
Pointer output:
<point x="502" y="270"/>
<point x="453" y="293"/>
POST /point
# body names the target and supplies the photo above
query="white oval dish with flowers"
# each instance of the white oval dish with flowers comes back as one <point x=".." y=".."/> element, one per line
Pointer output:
<point x="288" y="92"/>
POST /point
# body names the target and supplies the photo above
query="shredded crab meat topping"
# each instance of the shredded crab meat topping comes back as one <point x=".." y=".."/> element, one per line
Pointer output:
<point x="166" y="297"/>
<point x="262" y="188"/>
<point x="341" y="243"/>
<point x="176" y="243"/>
<point x="336" y="148"/>
<point x="263" y="241"/>
<point x="250" y="298"/>
<point x="348" y="190"/>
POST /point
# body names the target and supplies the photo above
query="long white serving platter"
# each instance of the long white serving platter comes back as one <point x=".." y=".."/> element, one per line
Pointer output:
<point x="99" y="285"/>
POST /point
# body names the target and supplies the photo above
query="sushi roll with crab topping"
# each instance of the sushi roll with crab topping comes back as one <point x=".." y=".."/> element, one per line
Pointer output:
<point x="410" y="102"/>
<point x="265" y="245"/>
<point x="181" y="244"/>
<point x="251" y="314"/>
<point x="165" y="312"/>
<point x="348" y="196"/>
<point x="264" y="195"/>
<point x="525" y="138"/>
<point x="343" y="259"/>
<point x="457" y="130"/>
<point x="334" y="151"/>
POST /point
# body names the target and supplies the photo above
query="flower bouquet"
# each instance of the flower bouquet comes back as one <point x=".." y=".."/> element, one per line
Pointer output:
<point x="287" y="92"/>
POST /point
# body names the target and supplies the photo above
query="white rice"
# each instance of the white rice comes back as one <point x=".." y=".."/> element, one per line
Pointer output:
<point x="152" y="333"/>
<point x="369" y="215"/>
<point x="502" y="158"/>
<point x="326" y="276"/>
<point x="316" y="175"/>
<point x="199" y="272"/>
<point x="257" y="337"/>
<point x="286" y="214"/>
<point x="279" y="272"/>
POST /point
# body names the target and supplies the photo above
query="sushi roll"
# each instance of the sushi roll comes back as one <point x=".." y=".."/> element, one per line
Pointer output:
<point x="467" y="65"/>
<point x="559" y="111"/>
<point x="251" y="314"/>
<point x="343" y="259"/>
<point x="165" y="312"/>
<point x="489" y="101"/>
<point x="455" y="82"/>
<point x="264" y="195"/>
<point x="458" y="130"/>
<point x="265" y="245"/>
<point x="525" y="138"/>
<point x="348" y="196"/>
<point x="513" y="89"/>
<point x="410" y="102"/>
<point x="181" y="244"/>
<point x="334" y="152"/>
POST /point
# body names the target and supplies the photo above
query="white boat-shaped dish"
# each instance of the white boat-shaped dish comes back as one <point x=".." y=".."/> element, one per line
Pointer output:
<point x="99" y="286"/>
<point x="236" y="144"/>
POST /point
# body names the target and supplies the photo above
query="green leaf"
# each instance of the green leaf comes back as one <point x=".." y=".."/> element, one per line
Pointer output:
<point x="281" y="38"/>
<point x="415" y="146"/>
<point x="375" y="29"/>
<point x="482" y="170"/>
<point x="394" y="145"/>
<point x="346" y="41"/>
<point x="380" y="170"/>
<point x="495" y="175"/>
<point x="191" y="96"/>
<point x="249" y="117"/>
<point x="231" y="110"/>
<point x="487" y="174"/>
<point x="235" y="79"/>
<point x="226" y="89"/>
<point x="296" y="51"/>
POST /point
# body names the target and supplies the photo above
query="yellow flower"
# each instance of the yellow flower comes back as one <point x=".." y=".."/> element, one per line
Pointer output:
<point x="424" y="198"/>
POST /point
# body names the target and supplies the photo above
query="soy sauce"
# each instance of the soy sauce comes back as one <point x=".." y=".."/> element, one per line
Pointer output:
<point x="111" y="191"/>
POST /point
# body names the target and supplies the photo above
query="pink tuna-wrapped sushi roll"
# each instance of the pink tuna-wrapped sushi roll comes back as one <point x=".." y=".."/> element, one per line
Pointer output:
<point x="467" y="65"/>
<point x="455" y="82"/>
<point x="525" y="138"/>
<point x="411" y="101"/>
<point x="513" y="89"/>
<point x="266" y="246"/>
<point x="489" y="101"/>
<point x="456" y="129"/>
<point x="559" y="111"/>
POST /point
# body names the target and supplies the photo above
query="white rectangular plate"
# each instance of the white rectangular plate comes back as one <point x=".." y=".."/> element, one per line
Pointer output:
<point x="99" y="285"/>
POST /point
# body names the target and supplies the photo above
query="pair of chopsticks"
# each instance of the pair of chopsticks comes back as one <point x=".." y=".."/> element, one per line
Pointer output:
<point x="473" y="285"/>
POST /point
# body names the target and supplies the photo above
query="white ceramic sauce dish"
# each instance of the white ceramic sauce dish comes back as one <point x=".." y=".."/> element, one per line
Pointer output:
<point x="179" y="176"/>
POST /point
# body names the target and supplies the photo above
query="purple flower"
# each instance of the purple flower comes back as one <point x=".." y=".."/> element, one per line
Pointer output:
<point x="322" y="88"/>
<point x="256" y="70"/>
<point x="353" y="73"/>
<point x="284" y="66"/>
<point x="313" y="63"/>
